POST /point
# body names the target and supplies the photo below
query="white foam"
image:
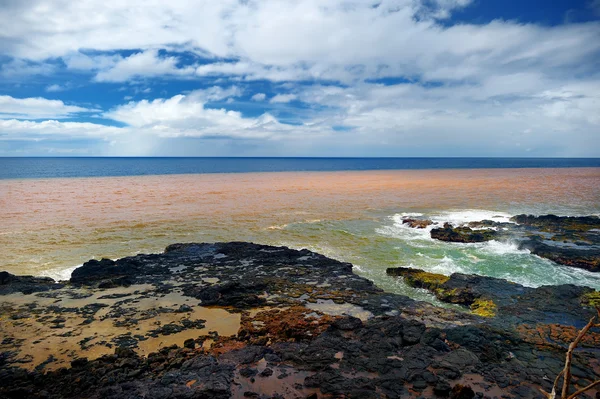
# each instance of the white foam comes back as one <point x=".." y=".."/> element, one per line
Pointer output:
<point x="410" y="215"/>
<point x="502" y="248"/>
<point x="59" y="273"/>
<point x="359" y="268"/>
<point x="446" y="266"/>
<point x="460" y="217"/>
<point x="457" y="218"/>
<point x="277" y="227"/>
<point x="401" y="230"/>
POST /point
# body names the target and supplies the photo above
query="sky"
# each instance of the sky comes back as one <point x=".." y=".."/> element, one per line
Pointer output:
<point x="333" y="78"/>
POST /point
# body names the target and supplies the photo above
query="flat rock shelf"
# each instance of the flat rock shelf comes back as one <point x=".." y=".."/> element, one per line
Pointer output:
<point x="245" y="320"/>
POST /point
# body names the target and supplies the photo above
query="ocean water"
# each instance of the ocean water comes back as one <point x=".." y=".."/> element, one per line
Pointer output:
<point x="53" y="224"/>
<point x="21" y="168"/>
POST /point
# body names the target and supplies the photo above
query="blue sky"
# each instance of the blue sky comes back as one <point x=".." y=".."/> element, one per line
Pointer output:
<point x="300" y="78"/>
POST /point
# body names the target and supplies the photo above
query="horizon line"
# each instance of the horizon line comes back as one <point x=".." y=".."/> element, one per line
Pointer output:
<point x="294" y="157"/>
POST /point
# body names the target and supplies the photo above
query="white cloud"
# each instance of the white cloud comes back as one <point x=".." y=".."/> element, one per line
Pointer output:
<point x="54" y="88"/>
<point x="253" y="71"/>
<point x="396" y="37"/>
<point x="84" y="62"/>
<point x="116" y="68"/>
<point x="18" y="69"/>
<point x="475" y="87"/>
<point x="215" y="93"/>
<point x="283" y="98"/>
<point x="37" y="108"/>
<point x="146" y="64"/>
<point x="400" y="120"/>
<point x="187" y="116"/>
<point x="29" y="130"/>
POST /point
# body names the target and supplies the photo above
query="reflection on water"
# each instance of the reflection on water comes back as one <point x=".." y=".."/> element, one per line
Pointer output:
<point x="50" y="225"/>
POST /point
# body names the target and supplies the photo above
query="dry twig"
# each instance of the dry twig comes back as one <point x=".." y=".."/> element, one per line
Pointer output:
<point x="566" y="372"/>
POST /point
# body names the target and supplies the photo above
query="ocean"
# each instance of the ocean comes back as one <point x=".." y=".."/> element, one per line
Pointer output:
<point x="59" y="212"/>
<point x="48" y="167"/>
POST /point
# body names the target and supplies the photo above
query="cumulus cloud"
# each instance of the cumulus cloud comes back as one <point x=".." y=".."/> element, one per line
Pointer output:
<point x="37" y="108"/>
<point x="283" y="98"/>
<point x="471" y="87"/>
<point x="145" y="64"/>
<point x="290" y="39"/>
<point x="188" y="116"/>
<point x="117" y="68"/>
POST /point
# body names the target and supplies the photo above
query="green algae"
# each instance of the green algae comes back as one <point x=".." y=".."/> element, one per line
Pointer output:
<point x="484" y="307"/>
<point x="591" y="299"/>
<point x="426" y="280"/>
<point x="418" y="278"/>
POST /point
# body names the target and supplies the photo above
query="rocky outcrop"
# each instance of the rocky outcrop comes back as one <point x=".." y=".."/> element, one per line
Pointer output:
<point x="553" y="223"/>
<point x="566" y="240"/>
<point x="462" y="234"/>
<point x="417" y="223"/>
<point x="553" y="304"/>
<point x="9" y="284"/>
<point x="246" y="320"/>
<point x="580" y="256"/>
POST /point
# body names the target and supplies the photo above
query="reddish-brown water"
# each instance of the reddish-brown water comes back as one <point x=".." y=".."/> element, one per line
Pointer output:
<point x="51" y="224"/>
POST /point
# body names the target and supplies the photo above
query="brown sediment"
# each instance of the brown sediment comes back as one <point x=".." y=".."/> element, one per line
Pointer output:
<point x="556" y="335"/>
<point x="58" y="223"/>
<point x="280" y="325"/>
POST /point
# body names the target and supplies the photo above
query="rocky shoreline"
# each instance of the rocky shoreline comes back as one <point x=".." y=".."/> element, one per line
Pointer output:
<point x="567" y="240"/>
<point x="246" y="320"/>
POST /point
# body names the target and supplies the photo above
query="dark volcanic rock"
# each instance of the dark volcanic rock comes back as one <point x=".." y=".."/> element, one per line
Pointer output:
<point x="307" y="326"/>
<point x="239" y="294"/>
<point x="553" y="223"/>
<point x="567" y="240"/>
<point x="417" y="223"/>
<point x="587" y="258"/>
<point x="462" y="392"/>
<point x="106" y="273"/>
<point x="549" y="304"/>
<point x="9" y="284"/>
<point x="462" y="234"/>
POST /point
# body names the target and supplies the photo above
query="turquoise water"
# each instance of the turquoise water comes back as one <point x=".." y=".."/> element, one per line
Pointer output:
<point x="375" y="244"/>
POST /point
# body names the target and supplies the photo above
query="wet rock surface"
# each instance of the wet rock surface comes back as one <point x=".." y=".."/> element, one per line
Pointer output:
<point x="567" y="240"/>
<point x="245" y="320"/>
<point x="9" y="283"/>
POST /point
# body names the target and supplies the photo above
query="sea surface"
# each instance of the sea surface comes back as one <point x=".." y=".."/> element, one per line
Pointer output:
<point x="60" y="212"/>
<point x="23" y="168"/>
